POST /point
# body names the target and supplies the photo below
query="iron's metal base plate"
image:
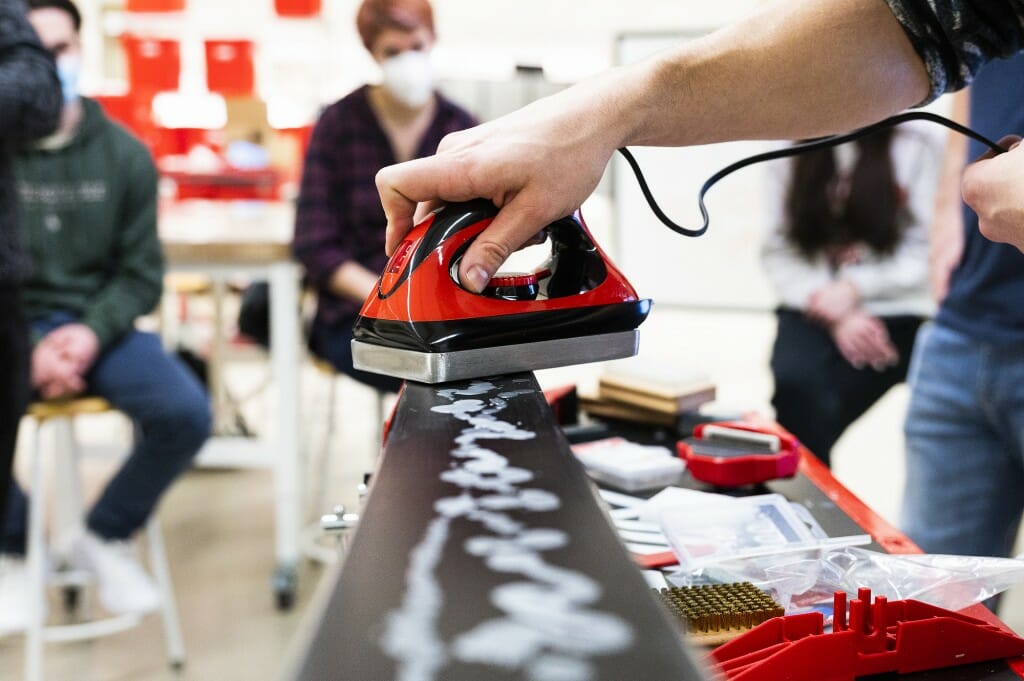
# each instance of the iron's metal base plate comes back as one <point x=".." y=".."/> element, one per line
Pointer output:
<point x="441" y="367"/>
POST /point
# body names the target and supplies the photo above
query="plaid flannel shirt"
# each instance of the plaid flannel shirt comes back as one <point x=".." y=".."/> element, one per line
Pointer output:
<point x="339" y="217"/>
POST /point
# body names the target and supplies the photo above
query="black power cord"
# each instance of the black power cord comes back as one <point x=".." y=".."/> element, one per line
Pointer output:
<point x="821" y="143"/>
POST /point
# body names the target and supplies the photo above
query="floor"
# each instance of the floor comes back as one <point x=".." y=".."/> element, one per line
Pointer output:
<point x="218" y="524"/>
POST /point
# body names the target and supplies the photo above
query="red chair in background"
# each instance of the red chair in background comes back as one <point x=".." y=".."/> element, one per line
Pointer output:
<point x="297" y="8"/>
<point x="229" y="67"/>
<point x="154" y="5"/>
<point x="154" y="64"/>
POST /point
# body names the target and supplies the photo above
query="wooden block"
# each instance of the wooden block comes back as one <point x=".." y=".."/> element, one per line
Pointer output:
<point x="688" y="398"/>
<point x="597" y="406"/>
<point x="656" y="386"/>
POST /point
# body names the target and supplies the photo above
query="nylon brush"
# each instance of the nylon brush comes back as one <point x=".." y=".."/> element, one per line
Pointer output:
<point x="712" y="614"/>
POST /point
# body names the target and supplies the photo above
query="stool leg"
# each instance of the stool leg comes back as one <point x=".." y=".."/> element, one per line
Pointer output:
<point x="320" y="481"/>
<point x="215" y="371"/>
<point x="36" y="564"/>
<point x="68" y="503"/>
<point x="168" y="608"/>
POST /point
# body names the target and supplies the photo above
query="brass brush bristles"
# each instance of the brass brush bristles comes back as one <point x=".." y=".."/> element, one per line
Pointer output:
<point x="719" y="608"/>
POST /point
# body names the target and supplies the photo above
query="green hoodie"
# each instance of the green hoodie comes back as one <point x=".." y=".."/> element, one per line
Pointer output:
<point x="88" y="217"/>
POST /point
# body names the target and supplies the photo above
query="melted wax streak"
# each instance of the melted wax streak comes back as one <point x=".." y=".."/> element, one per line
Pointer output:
<point x="547" y="629"/>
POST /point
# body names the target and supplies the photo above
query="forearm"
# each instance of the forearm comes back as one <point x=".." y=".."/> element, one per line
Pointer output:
<point x="136" y="283"/>
<point x="795" y="70"/>
<point x="352" y="281"/>
<point x="114" y="310"/>
<point x="903" y="273"/>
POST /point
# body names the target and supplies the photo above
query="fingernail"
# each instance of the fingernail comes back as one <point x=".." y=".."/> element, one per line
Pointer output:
<point x="477" y="278"/>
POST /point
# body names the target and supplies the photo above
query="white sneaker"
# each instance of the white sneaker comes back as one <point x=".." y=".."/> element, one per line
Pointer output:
<point x="14" y="594"/>
<point x="124" y="586"/>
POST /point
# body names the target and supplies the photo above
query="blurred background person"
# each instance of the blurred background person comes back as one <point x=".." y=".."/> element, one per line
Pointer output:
<point x="340" y="225"/>
<point x="964" y="429"/>
<point x="30" y="106"/>
<point x="88" y="197"/>
<point x="848" y="256"/>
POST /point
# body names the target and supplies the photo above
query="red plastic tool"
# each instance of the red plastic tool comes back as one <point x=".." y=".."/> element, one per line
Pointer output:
<point x="734" y="454"/>
<point x="902" y="636"/>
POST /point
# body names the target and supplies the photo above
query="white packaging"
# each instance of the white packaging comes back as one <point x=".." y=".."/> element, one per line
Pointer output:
<point x="629" y="466"/>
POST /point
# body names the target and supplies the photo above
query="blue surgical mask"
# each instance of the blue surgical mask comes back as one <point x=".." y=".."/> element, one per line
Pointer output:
<point x="69" y="69"/>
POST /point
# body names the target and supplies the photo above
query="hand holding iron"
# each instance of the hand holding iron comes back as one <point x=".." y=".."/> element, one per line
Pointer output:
<point x="537" y="164"/>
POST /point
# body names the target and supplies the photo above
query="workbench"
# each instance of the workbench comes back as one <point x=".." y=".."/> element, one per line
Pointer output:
<point x="483" y="554"/>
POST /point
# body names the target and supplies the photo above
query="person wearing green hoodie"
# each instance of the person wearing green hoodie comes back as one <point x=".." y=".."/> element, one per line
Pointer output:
<point x="88" y="195"/>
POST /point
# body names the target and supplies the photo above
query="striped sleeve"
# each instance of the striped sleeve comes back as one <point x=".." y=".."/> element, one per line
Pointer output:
<point x="954" y="38"/>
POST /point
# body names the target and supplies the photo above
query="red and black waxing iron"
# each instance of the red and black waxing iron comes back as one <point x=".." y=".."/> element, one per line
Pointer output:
<point x="420" y="324"/>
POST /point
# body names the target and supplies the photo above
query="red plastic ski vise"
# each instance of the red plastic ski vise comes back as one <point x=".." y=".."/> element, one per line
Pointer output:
<point x="902" y="636"/>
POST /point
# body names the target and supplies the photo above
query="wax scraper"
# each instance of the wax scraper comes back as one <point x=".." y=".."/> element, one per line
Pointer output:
<point x="421" y="324"/>
<point x="733" y="454"/>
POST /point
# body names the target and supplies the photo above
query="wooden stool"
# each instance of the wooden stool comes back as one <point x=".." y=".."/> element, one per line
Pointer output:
<point x="59" y="416"/>
<point x="312" y="533"/>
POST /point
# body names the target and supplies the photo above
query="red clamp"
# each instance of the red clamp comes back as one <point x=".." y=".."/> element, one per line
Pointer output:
<point x="902" y="636"/>
<point x="734" y="454"/>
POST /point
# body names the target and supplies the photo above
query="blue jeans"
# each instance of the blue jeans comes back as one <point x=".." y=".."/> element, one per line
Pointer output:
<point x="171" y="412"/>
<point x="964" y="432"/>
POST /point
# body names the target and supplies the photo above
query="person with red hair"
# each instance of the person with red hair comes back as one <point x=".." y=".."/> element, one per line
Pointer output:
<point x="339" y="224"/>
<point x="376" y="16"/>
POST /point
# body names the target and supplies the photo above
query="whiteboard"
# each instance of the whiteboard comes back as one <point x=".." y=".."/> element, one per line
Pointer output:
<point x="721" y="269"/>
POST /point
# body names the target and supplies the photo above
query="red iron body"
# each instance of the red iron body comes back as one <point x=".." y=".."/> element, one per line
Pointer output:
<point x="420" y="307"/>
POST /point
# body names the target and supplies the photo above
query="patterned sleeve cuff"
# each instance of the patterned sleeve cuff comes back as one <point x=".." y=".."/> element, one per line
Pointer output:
<point x="954" y="38"/>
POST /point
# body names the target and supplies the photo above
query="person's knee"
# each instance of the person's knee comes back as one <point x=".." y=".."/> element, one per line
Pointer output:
<point x="188" y="419"/>
<point x="196" y="419"/>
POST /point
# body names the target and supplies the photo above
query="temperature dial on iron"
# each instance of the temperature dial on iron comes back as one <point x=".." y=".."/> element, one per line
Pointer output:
<point x="512" y="286"/>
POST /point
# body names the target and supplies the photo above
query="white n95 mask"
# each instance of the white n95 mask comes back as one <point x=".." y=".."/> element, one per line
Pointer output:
<point x="409" y="78"/>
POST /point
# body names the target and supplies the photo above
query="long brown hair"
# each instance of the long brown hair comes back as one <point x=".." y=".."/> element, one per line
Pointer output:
<point x="869" y="215"/>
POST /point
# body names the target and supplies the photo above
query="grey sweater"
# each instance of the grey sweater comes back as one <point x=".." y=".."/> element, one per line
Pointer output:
<point x="30" y="106"/>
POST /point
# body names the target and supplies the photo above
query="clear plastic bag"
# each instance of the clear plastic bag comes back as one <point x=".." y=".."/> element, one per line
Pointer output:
<point x="808" y="580"/>
<point x="704" y="529"/>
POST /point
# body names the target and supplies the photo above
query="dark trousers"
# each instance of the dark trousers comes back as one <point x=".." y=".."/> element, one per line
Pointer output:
<point x="14" y="382"/>
<point x="334" y="344"/>
<point x="171" y="412"/>
<point x="817" y="392"/>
